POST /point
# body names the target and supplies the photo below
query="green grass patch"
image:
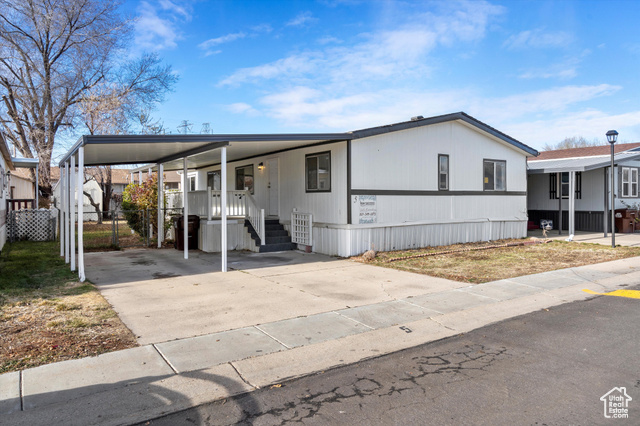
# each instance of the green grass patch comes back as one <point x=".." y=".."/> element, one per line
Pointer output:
<point x="32" y="267"/>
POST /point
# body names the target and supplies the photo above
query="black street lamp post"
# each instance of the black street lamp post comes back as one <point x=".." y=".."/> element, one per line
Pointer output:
<point x="612" y="137"/>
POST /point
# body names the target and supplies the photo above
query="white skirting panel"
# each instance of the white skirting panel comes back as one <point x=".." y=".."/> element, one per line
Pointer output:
<point x="353" y="241"/>
<point x="237" y="236"/>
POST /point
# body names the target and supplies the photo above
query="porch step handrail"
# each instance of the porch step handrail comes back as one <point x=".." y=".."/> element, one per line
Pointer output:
<point x="255" y="216"/>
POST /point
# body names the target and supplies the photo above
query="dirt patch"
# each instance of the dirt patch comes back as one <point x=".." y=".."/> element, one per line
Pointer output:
<point x="44" y="330"/>
<point x="500" y="263"/>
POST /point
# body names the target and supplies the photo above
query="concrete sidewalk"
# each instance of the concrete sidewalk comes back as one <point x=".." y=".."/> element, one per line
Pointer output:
<point x="145" y="382"/>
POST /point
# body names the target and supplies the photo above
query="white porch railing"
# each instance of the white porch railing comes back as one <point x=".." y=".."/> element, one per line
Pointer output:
<point x="302" y="228"/>
<point x="239" y="204"/>
<point x="255" y="217"/>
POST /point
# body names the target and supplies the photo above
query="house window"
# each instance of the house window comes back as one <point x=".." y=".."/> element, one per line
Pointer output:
<point x="443" y="172"/>
<point x="630" y="182"/>
<point x="244" y="178"/>
<point x="495" y="175"/>
<point x="192" y="183"/>
<point x="213" y="180"/>
<point x="562" y="186"/>
<point x="318" y="172"/>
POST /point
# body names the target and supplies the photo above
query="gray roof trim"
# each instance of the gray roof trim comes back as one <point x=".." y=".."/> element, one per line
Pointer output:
<point x="198" y="150"/>
<point x="373" y="131"/>
<point x="25" y="163"/>
<point x="582" y="164"/>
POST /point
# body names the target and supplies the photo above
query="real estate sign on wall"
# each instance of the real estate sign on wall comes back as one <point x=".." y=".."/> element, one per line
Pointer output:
<point x="368" y="209"/>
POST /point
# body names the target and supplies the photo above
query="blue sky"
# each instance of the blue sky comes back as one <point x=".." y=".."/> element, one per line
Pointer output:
<point x="539" y="71"/>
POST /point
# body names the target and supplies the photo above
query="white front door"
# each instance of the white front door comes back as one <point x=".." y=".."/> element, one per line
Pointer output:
<point x="273" y="187"/>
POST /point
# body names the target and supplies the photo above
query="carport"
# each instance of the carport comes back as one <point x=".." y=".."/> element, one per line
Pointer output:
<point x="162" y="152"/>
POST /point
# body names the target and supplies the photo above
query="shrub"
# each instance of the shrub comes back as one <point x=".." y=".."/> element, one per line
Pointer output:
<point x="138" y="200"/>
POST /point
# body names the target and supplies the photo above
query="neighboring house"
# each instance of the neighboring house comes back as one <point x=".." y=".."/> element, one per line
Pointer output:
<point x="549" y="180"/>
<point x="6" y="165"/>
<point x="425" y="182"/>
<point x="172" y="179"/>
<point x="92" y="187"/>
<point x="21" y="188"/>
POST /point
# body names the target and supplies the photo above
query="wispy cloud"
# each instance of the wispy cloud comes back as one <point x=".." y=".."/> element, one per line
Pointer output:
<point x="337" y="86"/>
<point x="208" y="45"/>
<point x="329" y="40"/>
<point x="398" y="52"/>
<point x="538" y="38"/>
<point x="212" y="42"/>
<point x="565" y="69"/>
<point x="301" y="19"/>
<point x="156" y="26"/>
<point x="243" y="108"/>
<point x="173" y="7"/>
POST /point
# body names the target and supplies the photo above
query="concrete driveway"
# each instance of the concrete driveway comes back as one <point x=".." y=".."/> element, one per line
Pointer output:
<point x="160" y="296"/>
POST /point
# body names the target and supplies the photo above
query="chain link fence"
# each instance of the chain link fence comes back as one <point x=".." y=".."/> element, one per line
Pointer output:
<point x="126" y="228"/>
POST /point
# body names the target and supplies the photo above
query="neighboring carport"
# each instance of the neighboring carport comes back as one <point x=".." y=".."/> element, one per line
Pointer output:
<point x="163" y="152"/>
<point x="581" y="164"/>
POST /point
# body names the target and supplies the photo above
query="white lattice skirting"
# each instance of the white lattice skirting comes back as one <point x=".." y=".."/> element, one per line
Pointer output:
<point x="31" y="225"/>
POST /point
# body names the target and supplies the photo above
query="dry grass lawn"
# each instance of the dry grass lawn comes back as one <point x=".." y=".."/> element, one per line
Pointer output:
<point x="46" y="315"/>
<point x="500" y="263"/>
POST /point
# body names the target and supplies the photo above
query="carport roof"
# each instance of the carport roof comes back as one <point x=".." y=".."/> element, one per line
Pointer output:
<point x="199" y="149"/>
<point x="582" y="164"/>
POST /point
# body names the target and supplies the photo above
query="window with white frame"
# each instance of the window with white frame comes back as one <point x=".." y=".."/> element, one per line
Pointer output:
<point x="495" y="175"/>
<point x="629" y="182"/>
<point x="443" y="172"/>
<point x="213" y="180"/>
<point x="192" y="183"/>
<point x="318" y="172"/>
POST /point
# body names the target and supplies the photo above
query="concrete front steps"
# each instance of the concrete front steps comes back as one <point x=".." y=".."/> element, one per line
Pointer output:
<point x="276" y="237"/>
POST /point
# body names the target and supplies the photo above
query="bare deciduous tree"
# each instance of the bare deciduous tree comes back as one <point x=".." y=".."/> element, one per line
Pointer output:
<point x="110" y="108"/>
<point x="572" y="142"/>
<point x="51" y="53"/>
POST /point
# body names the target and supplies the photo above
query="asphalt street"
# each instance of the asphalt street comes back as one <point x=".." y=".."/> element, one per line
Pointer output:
<point x="549" y="367"/>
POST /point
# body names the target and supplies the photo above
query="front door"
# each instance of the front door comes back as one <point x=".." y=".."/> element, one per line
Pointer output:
<point x="273" y="187"/>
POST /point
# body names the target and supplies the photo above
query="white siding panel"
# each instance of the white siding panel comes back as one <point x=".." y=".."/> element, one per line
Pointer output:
<point x="407" y="159"/>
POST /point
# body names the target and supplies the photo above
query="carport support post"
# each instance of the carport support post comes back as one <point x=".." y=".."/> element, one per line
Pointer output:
<point x="37" y="189"/>
<point x="223" y="206"/>
<point x="559" y="192"/>
<point x="72" y="210"/>
<point x="61" y="213"/>
<point x="67" y="220"/>
<point x="81" y="214"/>
<point x="185" y="204"/>
<point x="572" y="203"/>
<point x="606" y="203"/>
<point x="160" y="204"/>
